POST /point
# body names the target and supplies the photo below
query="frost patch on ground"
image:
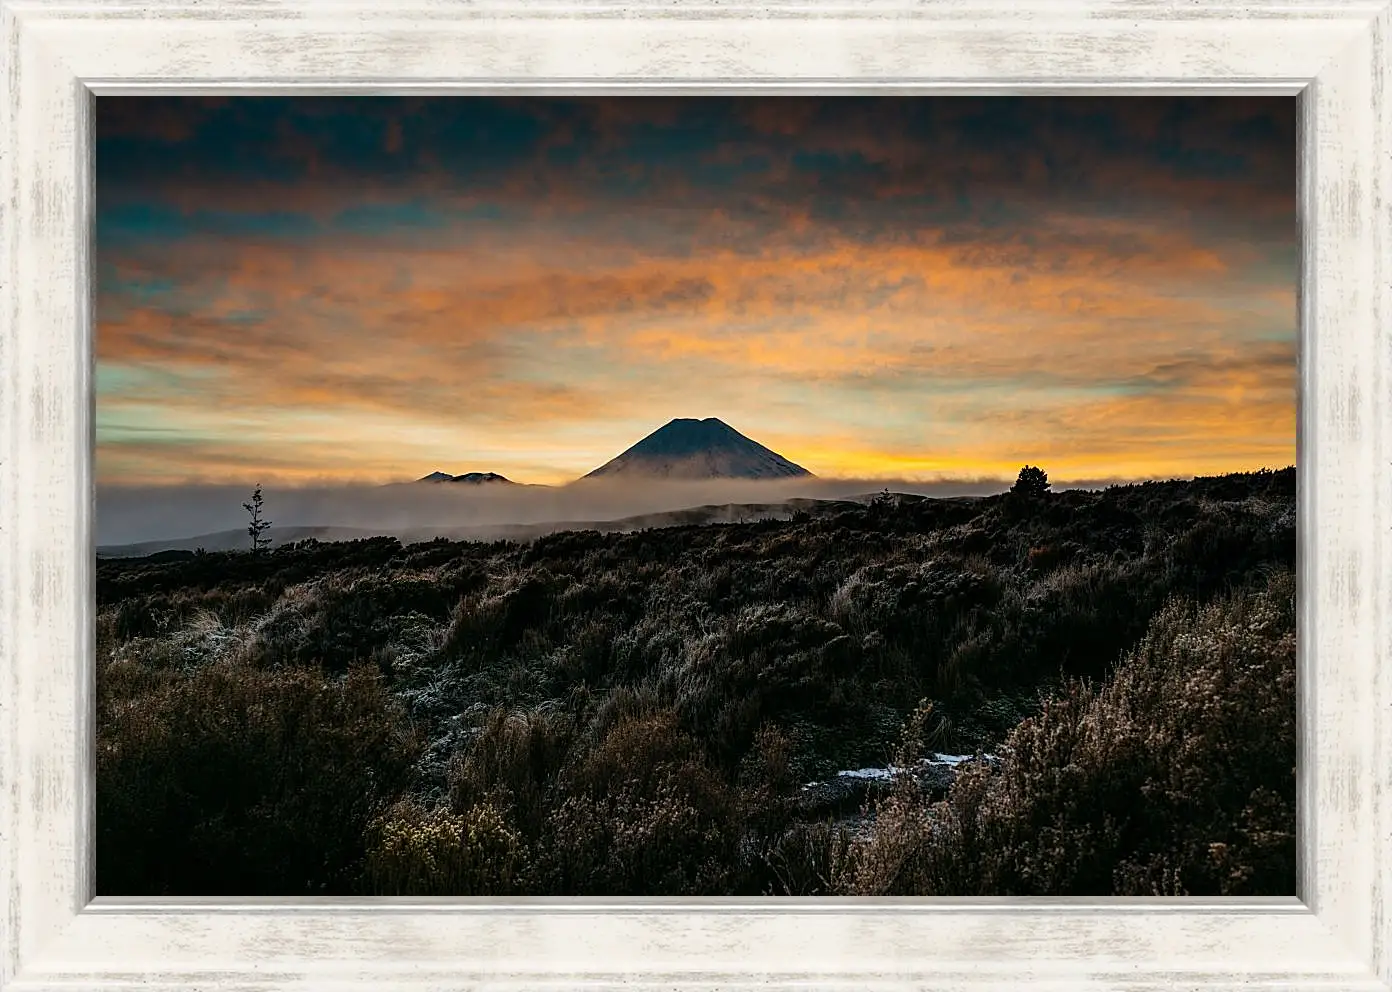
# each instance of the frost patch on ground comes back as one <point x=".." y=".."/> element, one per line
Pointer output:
<point x="956" y="759"/>
<point x="888" y="772"/>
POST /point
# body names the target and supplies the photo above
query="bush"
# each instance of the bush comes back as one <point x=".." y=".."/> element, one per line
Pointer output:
<point x="412" y="850"/>
<point x="226" y="780"/>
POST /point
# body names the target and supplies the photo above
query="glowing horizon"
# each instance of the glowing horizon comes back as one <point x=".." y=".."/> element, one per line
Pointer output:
<point x="335" y="290"/>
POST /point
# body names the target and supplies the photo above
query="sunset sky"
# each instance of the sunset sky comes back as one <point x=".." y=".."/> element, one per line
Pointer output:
<point x="369" y="289"/>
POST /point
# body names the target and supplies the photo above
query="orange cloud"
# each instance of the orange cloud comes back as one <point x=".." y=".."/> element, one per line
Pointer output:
<point x="509" y="347"/>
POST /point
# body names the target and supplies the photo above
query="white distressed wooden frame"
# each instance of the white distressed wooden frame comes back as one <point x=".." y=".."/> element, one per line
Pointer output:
<point x="1334" y="53"/>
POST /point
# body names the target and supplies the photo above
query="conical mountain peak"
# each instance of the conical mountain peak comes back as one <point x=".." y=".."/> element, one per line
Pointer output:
<point x="691" y="449"/>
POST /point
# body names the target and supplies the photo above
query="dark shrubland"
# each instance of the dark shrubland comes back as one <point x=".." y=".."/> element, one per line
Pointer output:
<point x="634" y="714"/>
<point x="1175" y="778"/>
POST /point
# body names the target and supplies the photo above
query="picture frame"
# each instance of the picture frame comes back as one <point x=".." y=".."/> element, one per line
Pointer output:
<point x="1333" y="55"/>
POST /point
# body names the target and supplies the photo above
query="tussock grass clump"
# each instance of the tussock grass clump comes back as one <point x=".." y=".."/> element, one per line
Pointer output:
<point x="513" y="764"/>
<point x="643" y="807"/>
<point x="810" y="859"/>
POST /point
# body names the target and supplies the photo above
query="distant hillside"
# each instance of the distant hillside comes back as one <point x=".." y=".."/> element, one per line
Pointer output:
<point x="699" y="449"/>
<point x="714" y="513"/>
<point x="233" y="540"/>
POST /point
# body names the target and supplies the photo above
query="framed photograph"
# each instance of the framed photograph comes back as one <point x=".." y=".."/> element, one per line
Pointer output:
<point x="753" y="495"/>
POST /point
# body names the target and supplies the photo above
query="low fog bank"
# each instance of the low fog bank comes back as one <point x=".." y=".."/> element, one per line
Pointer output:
<point x="130" y="515"/>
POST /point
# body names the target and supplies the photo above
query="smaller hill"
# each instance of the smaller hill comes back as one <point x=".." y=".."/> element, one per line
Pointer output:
<point x="469" y="478"/>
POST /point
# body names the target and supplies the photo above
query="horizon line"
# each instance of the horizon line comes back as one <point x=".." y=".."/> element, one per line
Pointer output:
<point x="590" y="479"/>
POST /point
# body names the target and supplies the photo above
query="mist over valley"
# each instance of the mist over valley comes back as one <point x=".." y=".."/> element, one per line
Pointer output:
<point x="689" y="471"/>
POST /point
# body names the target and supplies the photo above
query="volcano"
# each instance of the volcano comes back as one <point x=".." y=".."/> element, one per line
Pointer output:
<point x="699" y="449"/>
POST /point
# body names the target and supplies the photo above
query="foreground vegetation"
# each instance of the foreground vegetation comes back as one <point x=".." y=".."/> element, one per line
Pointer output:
<point x="636" y="714"/>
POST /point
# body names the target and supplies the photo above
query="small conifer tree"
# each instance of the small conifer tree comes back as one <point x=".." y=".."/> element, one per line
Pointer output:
<point x="258" y="526"/>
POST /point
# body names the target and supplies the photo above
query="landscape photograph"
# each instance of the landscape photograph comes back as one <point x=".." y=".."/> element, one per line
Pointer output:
<point x="695" y="496"/>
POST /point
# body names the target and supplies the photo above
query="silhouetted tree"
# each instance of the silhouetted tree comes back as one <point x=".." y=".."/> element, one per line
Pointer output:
<point x="1031" y="482"/>
<point x="258" y="526"/>
<point x="883" y="500"/>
